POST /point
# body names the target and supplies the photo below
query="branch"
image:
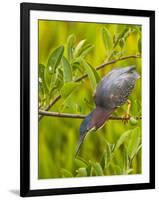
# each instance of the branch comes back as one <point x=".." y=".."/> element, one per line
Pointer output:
<point x="76" y="116"/>
<point x="108" y="63"/>
<point x="85" y="76"/>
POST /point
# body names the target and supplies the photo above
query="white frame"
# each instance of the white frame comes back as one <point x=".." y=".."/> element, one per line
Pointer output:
<point x="87" y="181"/>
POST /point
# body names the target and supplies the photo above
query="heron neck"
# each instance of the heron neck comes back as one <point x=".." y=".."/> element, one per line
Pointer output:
<point x="99" y="117"/>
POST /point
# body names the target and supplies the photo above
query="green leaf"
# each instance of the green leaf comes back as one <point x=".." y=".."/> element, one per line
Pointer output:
<point x="137" y="107"/>
<point x="68" y="88"/>
<point x="78" y="48"/>
<point x="122" y="139"/>
<point x="80" y="163"/>
<point x="125" y="160"/>
<point x="54" y="59"/>
<point x="81" y="172"/>
<point x="69" y="46"/>
<point x="42" y="82"/>
<point x="65" y="173"/>
<point x="106" y="156"/>
<point x="98" y="169"/>
<point x="86" y="50"/>
<point x="139" y="45"/>
<point x="122" y="43"/>
<point x="67" y="70"/>
<point x="134" y="142"/>
<point x="124" y="32"/>
<point x="41" y="70"/>
<point x="116" y="169"/>
<point x="107" y="38"/>
<point x="92" y="73"/>
<point x="56" y="81"/>
<point x="129" y="171"/>
<point x="76" y="66"/>
<point x="120" y="28"/>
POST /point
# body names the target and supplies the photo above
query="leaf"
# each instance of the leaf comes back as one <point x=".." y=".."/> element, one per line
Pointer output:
<point x="41" y="70"/>
<point x="54" y="59"/>
<point x="129" y="171"/>
<point x="107" y="38"/>
<point x="134" y="142"/>
<point x="80" y="163"/>
<point x="65" y="173"/>
<point x="139" y="45"/>
<point x="42" y="82"/>
<point x="78" y="48"/>
<point x="125" y="160"/>
<point x="67" y="70"/>
<point x="123" y="34"/>
<point x="78" y="108"/>
<point x="92" y="73"/>
<point x="106" y="156"/>
<point x="89" y="170"/>
<point x="56" y="81"/>
<point x="97" y="167"/>
<point x="116" y="169"/>
<point x="120" y="28"/>
<point x="68" y="88"/>
<point x="137" y="107"/>
<point x="86" y="50"/>
<point x="81" y="172"/>
<point x="122" y="43"/>
<point x="122" y="139"/>
<point x="76" y="66"/>
<point x="70" y="44"/>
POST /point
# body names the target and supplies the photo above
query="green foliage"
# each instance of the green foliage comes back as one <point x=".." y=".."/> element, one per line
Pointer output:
<point x="70" y="45"/>
<point x="68" y="51"/>
<point x="78" y="48"/>
<point x="67" y="70"/>
<point x="68" y="88"/>
<point x="139" y="45"/>
<point x="107" y="38"/>
<point x="54" y="59"/>
<point x="134" y="142"/>
<point x="92" y="74"/>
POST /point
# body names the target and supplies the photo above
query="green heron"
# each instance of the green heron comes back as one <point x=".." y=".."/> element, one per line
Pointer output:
<point x="112" y="92"/>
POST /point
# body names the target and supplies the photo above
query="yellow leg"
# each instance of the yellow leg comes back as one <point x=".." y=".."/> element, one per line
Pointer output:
<point x="127" y="115"/>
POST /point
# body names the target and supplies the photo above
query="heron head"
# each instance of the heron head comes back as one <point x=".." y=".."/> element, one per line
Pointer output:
<point x="130" y="70"/>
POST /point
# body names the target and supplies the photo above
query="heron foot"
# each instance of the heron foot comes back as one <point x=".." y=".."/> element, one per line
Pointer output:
<point x="126" y="116"/>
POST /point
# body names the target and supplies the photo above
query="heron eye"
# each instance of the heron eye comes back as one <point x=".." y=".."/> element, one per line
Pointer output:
<point x="131" y="72"/>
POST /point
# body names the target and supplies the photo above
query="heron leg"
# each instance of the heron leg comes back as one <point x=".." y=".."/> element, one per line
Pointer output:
<point x="127" y="115"/>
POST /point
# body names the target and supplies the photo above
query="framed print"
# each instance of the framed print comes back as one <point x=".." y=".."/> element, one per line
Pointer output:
<point x="87" y="99"/>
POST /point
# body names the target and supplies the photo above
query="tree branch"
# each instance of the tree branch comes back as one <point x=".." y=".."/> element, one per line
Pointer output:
<point x="107" y="63"/>
<point x="85" y="76"/>
<point x="76" y="116"/>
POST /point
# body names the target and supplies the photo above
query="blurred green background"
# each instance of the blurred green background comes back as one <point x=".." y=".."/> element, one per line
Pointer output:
<point x="116" y="148"/>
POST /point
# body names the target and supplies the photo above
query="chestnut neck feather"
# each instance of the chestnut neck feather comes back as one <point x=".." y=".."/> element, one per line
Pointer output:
<point x="99" y="116"/>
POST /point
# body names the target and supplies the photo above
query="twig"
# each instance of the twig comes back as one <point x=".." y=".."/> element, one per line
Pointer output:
<point x="85" y="76"/>
<point x="76" y="116"/>
<point x="108" y="63"/>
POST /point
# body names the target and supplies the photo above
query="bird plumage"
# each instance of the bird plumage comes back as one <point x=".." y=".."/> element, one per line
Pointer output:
<point x="112" y="92"/>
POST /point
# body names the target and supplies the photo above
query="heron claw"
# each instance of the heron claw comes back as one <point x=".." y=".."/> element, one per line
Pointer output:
<point x="127" y="116"/>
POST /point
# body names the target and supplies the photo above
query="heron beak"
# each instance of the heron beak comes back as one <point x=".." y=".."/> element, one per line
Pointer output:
<point x="92" y="129"/>
<point x="137" y="76"/>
